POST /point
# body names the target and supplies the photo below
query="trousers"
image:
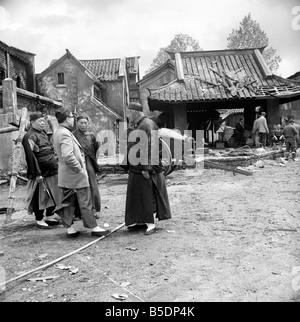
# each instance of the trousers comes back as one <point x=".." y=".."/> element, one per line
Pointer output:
<point x="84" y="202"/>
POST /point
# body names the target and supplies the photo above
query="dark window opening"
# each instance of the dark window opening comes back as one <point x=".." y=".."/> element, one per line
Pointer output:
<point x="2" y="76"/>
<point x="61" y="78"/>
<point x="97" y="93"/>
<point x="18" y="81"/>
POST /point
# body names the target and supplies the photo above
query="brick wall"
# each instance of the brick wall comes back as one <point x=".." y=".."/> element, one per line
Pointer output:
<point x="19" y="68"/>
<point x="2" y="57"/>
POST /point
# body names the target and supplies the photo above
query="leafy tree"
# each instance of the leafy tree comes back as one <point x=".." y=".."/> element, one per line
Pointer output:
<point x="180" y="43"/>
<point x="250" y="35"/>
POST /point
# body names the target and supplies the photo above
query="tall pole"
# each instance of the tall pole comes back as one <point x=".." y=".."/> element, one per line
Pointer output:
<point x="16" y="158"/>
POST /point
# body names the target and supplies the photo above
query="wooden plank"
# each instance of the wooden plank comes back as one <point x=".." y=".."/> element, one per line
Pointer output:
<point x="16" y="158"/>
<point x="43" y="278"/>
<point x="213" y="165"/>
<point x="13" y="119"/>
<point x="8" y="129"/>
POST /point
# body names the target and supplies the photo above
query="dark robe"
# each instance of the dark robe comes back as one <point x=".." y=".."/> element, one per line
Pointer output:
<point x="41" y="161"/>
<point x="90" y="146"/>
<point x="145" y="197"/>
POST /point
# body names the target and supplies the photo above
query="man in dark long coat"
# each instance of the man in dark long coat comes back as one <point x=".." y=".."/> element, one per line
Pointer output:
<point x="42" y="168"/>
<point x="147" y="196"/>
<point x="90" y="146"/>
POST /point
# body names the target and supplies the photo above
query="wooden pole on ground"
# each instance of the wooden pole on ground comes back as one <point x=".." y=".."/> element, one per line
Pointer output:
<point x="62" y="257"/>
<point x="8" y="129"/>
<point x="16" y="158"/>
<point x="213" y="165"/>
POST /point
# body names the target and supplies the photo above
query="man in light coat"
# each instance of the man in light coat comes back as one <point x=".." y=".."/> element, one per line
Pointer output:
<point x="260" y="126"/>
<point x="73" y="177"/>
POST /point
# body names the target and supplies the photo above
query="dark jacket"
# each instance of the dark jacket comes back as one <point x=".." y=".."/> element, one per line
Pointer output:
<point x="150" y="161"/>
<point x="41" y="161"/>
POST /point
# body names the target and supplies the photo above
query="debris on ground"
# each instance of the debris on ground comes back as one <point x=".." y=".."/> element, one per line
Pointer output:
<point x="43" y="278"/>
<point x="72" y="270"/>
<point x="121" y="297"/>
<point x="40" y="257"/>
<point x="131" y="248"/>
<point x="259" y="164"/>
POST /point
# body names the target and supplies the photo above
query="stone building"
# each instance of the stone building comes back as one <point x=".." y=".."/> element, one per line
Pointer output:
<point x="18" y="65"/>
<point x="206" y="81"/>
<point x="119" y="78"/>
<point x="67" y="80"/>
<point x="100" y="88"/>
<point x="161" y="76"/>
<point x="292" y="109"/>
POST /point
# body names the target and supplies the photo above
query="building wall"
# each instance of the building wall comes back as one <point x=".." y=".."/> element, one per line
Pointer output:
<point x="291" y="110"/>
<point x="113" y="96"/>
<point x="157" y="80"/>
<point x="19" y="68"/>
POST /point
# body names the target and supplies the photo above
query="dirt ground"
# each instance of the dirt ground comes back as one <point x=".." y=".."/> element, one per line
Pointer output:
<point x="232" y="238"/>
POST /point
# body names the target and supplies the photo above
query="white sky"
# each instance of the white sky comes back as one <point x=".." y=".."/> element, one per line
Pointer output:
<point x="99" y="29"/>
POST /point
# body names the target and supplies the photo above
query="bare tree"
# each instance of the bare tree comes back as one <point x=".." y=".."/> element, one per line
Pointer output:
<point x="250" y="35"/>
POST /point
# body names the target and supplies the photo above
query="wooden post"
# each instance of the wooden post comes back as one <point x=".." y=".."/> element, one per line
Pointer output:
<point x="9" y="96"/>
<point x="16" y="158"/>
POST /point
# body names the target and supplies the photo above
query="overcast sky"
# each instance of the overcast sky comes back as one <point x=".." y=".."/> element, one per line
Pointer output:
<point x="99" y="29"/>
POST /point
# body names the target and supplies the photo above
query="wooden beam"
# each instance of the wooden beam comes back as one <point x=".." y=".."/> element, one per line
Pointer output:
<point x="16" y="158"/>
<point x="8" y="129"/>
<point x="179" y="67"/>
<point x="13" y="119"/>
<point x="213" y="165"/>
<point x="265" y="69"/>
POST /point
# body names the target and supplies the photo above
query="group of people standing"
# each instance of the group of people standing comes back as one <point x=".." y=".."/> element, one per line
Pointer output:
<point x="278" y="136"/>
<point x="62" y="176"/>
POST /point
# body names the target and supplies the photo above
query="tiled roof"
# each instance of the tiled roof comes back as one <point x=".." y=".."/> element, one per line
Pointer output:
<point x="104" y="69"/>
<point x="222" y="74"/>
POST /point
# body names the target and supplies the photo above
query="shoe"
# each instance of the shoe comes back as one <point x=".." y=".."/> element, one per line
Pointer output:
<point x="43" y="226"/>
<point x="101" y="233"/>
<point x="52" y="222"/>
<point x="151" y="231"/>
<point x="73" y="235"/>
<point x="137" y="227"/>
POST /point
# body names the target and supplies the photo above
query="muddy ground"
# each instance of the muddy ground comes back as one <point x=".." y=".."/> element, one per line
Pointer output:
<point x="232" y="238"/>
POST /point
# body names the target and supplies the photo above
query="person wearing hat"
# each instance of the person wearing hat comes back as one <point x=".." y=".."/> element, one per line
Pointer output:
<point x="90" y="146"/>
<point x="290" y="133"/>
<point x="147" y="196"/>
<point x="42" y="169"/>
<point x="73" y="177"/>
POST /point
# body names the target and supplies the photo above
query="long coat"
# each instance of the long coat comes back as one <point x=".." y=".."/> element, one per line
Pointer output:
<point x="72" y="172"/>
<point x="146" y="196"/>
<point x="90" y="147"/>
